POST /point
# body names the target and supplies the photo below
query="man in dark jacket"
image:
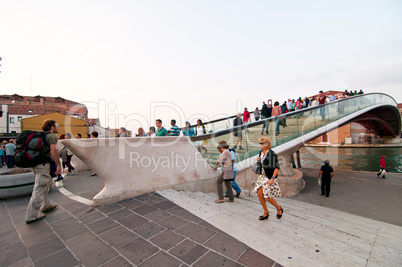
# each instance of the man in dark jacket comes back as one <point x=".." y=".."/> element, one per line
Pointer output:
<point x="326" y="173"/>
<point x="265" y="113"/>
<point x="237" y="133"/>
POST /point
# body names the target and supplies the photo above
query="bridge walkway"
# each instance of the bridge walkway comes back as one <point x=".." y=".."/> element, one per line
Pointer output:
<point x="307" y="234"/>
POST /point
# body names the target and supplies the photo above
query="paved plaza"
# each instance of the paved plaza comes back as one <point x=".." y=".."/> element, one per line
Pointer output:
<point x="358" y="225"/>
<point x="147" y="230"/>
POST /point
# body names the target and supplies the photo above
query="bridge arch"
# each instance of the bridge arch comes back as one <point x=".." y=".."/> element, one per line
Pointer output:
<point x="112" y="159"/>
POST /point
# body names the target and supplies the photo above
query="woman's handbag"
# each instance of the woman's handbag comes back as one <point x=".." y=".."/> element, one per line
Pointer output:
<point x="228" y="173"/>
<point x="257" y="168"/>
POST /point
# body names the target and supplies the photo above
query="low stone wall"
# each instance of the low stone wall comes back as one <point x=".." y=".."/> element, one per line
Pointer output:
<point x="15" y="185"/>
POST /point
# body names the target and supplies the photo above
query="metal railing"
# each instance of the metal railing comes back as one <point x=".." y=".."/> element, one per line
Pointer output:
<point x="291" y="125"/>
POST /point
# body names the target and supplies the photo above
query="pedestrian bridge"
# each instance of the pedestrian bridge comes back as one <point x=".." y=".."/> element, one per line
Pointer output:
<point x="137" y="165"/>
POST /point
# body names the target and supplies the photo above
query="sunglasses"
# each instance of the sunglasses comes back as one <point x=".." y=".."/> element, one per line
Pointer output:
<point x="262" y="143"/>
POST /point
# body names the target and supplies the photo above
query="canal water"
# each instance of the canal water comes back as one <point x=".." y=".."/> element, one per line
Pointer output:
<point x="352" y="159"/>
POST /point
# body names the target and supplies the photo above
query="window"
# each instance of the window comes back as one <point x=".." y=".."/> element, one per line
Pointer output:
<point x="12" y="120"/>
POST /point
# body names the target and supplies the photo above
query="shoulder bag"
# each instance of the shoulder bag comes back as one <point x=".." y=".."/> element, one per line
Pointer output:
<point x="257" y="167"/>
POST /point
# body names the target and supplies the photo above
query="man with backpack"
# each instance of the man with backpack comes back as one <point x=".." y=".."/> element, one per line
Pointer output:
<point x="39" y="200"/>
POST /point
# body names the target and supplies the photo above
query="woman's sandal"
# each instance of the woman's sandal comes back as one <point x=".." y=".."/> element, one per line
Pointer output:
<point x="262" y="217"/>
<point x="278" y="216"/>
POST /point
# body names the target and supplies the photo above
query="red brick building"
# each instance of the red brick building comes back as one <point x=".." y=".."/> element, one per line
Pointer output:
<point x="15" y="108"/>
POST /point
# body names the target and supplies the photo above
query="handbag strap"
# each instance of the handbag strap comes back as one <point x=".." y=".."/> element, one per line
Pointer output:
<point x="230" y="158"/>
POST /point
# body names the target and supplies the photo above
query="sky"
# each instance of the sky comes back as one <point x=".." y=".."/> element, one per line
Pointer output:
<point x="132" y="62"/>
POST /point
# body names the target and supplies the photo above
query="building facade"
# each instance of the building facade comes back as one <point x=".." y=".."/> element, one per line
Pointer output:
<point x="15" y="108"/>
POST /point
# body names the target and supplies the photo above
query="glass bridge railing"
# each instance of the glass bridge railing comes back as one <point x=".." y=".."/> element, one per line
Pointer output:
<point x="291" y="125"/>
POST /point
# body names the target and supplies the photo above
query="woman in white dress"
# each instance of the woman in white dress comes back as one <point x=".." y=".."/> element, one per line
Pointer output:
<point x="200" y="130"/>
<point x="268" y="188"/>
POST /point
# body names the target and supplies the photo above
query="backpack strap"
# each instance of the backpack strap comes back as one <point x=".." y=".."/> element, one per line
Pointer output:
<point x="45" y="140"/>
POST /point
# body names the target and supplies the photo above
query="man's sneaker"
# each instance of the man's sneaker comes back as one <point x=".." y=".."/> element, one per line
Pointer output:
<point x="74" y="172"/>
<point x="42" y="216"/>
<point x="238" y="194"/>
<point x="59" y="178"/>
<point x="48" y="209"/>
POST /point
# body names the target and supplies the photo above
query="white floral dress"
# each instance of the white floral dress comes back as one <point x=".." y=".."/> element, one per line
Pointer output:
<point x="269" y="191"/>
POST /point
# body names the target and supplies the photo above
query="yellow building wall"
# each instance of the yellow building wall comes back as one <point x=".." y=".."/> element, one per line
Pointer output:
<point x="67" y="124"/>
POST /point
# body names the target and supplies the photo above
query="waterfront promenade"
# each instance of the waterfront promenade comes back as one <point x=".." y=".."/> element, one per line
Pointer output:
<point x="359" y="225"/>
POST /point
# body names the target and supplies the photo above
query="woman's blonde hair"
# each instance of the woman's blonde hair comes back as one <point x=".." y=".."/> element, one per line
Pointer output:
<point x="266" y="140"/>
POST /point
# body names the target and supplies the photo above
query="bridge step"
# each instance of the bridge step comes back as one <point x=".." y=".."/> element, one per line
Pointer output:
<point x="307" y="235"/>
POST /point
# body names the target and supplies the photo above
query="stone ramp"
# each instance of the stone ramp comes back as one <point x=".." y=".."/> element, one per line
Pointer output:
<point x="307" y="235"/>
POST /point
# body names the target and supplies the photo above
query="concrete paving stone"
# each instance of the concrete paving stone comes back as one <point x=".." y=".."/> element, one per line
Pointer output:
<point x="9" y="238"/>
<point x="109" y="208"/>
<point x="4" y="211"/>
<point x="46" y="248"/>
<point x="20" y="219"/>
<point x="161" y="259"/>
<point x="24" y="262"/>
<point x="154" y="199"/>
<point x="167" y="239"/>
<point x="138" y="250"/>
<point x="117" y="262"/>
<point x="14" y="202"/>
<point x="143" y="197"/>
<point x="144" y="209"/>
<point x="56" y="195"/>
<point x="149" y="229"/>
<point x="212" y="258"/>
<point x="132" y="204"/>
<point x="98" y="256"/>
<point x="252" y="258"/>
<point x="62" y="258"/>
<point x="39" y="236"/>
<point x="66" y="223"/>
<point x="27" y="229"/>
<point x="158" y="215"/>
<point x="92" y="217"/>
<point x="73" y="231"/>
<point x="120" y="214"/>
<point x="84" y="243"/>
<point x="165" y="205"/>
<point x="76" y="208"/>
<point x="124" y="201"/>
<point x="188" y="251"/>
<point x="173" y="222"/>
<point x="118" y="236"/>
<point x="196" y="232"/>
<point x="57" y="215"/>
<point x="12" y="253"/>
<point x="6" y="225"/>
<point x="132" y="221"/>
<point x="16" y="211"/>
<point x="183" y="213"/>
<point x="209" y="226"/>
<point x="226" y="245"/>
<point x="102" y="225"/>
